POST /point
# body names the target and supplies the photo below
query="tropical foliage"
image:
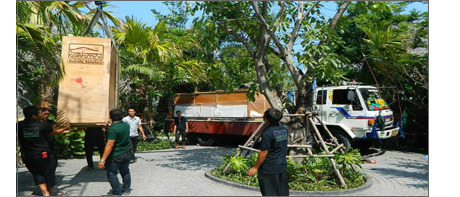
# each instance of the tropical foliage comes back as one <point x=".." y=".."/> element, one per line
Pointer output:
<point x="268" y="47"/>
<point x="154" y="61"/>
<point x="70" y="145"/>
<point x="312" y="174"/>
<point x="40" y="27"/>
<point x="158" y="144"/>
<point x="387" y="47"/>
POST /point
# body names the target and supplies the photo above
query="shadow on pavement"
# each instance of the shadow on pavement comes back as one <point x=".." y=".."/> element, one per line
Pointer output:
<point x="196" y="159"/>
<point x="422" y="185"/>
<point x="82" y="178"/>
<point x="26" y="186"/>
<point x="423" y="176"/>
<point x="371" y="152"/>
<point x="408" y="163"/>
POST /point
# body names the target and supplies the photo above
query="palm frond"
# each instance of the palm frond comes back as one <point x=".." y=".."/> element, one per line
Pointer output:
<point x="149" y="71"/>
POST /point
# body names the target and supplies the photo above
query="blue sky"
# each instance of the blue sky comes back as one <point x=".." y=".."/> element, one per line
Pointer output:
<point x="141" y="10"/>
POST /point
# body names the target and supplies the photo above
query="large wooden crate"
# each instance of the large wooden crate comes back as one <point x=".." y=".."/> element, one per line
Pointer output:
<point x="220" y="104"/>
<point x="89" y="89"/>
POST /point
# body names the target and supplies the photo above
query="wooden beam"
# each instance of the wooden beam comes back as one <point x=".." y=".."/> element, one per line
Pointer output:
<point x="238" y="150"/>
<point x="306" y="156"/>
<point x="298" y="146"/>
<point x="248" y="148"/>
<point x="293" y="115"/>
<point x="321" y="140"/>
<point x="336" y="148"/>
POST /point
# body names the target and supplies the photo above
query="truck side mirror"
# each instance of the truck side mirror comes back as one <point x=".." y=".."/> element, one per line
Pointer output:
<point x="351" y="96"/>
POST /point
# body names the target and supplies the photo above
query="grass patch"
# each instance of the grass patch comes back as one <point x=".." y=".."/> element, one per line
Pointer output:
<point x="158" y="144"/>
<point x="312" y="174"/>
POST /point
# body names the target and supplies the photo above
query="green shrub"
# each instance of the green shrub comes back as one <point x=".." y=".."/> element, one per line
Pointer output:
<point x="313" y="174"/>
<point x="157" y="144"/>
<point x="70" y="145"/>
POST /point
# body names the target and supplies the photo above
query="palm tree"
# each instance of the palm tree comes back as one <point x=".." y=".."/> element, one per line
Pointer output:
<point x="40" y="27"/>
<point x="153" y="61"/>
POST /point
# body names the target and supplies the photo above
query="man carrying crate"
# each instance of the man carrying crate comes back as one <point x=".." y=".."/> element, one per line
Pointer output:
<point x="117" y="154"/>
<point x="36" y="140"/>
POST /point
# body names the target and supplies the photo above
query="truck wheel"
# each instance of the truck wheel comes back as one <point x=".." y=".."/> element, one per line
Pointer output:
<point x="190" y="139"/>
<point x="364" y="145"/>
<point x="343" y="139"/>
<point x="205" y="139"/>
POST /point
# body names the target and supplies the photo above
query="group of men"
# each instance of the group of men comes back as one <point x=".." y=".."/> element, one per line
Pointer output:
<point x="35" y="134"/>
<point x="36" y="139"/>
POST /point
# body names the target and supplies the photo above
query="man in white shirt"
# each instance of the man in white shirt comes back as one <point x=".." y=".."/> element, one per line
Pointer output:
<point x="134" y="124"/>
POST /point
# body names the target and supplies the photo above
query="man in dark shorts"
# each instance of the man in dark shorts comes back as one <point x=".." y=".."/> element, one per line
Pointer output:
<point x="36" y="138"/>
<point x="94" y="137"/>
<point x="271" y="162"/>
<point x="117" y="154"/>
<point x="180" y="128"/>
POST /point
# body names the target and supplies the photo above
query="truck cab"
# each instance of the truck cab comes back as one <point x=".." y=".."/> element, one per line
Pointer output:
<point x="350" y="112"/>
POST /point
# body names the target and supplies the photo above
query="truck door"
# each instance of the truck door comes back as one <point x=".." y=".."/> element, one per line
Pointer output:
<point x="321" y="104"/>
<point x="344" y="110"/>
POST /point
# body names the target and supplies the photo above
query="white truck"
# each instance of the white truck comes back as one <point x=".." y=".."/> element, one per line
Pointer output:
<point x="350" y="111"/>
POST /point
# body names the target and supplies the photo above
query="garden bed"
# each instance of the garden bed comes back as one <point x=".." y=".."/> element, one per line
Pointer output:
<point x="313" y="174"/>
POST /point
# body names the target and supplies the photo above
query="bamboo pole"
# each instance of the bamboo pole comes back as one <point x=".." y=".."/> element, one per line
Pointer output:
<point x="298" y="146"/>
<point x="294" y="156"/>
<point x="336" y="142"/>
<point x="309" y="151"/>
<point x="342" y="150"/>
<point x="293" y="115"/>
<point x="321" y="140"/>
<point x="238" y="150"/>
<point x="336" y="148"/>
<point x="248" y="148"/>
<point x="306" y="156"/>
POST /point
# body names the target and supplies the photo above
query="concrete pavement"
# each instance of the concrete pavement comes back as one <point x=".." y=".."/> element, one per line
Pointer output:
<point x="181" y="173"/>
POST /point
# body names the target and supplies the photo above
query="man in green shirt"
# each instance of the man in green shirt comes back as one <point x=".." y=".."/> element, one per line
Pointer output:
<point x="117" y="154"/>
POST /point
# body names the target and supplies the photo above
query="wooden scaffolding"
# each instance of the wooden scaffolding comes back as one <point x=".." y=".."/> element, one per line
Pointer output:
<point x="308" y="119"/>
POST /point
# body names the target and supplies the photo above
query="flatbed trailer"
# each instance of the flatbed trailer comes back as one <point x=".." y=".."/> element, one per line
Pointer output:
<point x="218" y="117"/>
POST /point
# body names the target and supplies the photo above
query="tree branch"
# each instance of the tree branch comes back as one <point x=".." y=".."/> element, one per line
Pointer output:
<point x="265" y="25"/>
<point x="334" y="22"/>
<point x="297" y="23"/>
<point x="279" y="15"/>
<point x="286" y="56"/>
<point x="339" y="14"/>
<point x="239" y="37"/>
<point x="262" y="38"/>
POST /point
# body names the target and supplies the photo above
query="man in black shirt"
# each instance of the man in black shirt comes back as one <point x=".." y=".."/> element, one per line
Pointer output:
<point x="35" y="138"/>
<point x="180" y="128"/>
<point x="44" y="114"/>
<point x="271" y="162"/>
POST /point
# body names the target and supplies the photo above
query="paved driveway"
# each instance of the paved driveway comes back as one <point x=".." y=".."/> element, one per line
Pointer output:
<point x="181" y="173"/>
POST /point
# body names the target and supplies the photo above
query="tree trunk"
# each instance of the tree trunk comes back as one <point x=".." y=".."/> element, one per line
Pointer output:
<point x="296" y="131"/>
<point x="272" y="98"/>
<point x="46" y="96"/>
<point x="170" y="107"/>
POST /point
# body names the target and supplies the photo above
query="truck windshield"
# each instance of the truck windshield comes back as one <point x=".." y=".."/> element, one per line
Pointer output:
<point x="372" y="99"/>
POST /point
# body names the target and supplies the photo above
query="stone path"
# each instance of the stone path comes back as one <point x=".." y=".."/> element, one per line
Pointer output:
<point x="397" y="174"/>
<point x="181" y="173"/>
